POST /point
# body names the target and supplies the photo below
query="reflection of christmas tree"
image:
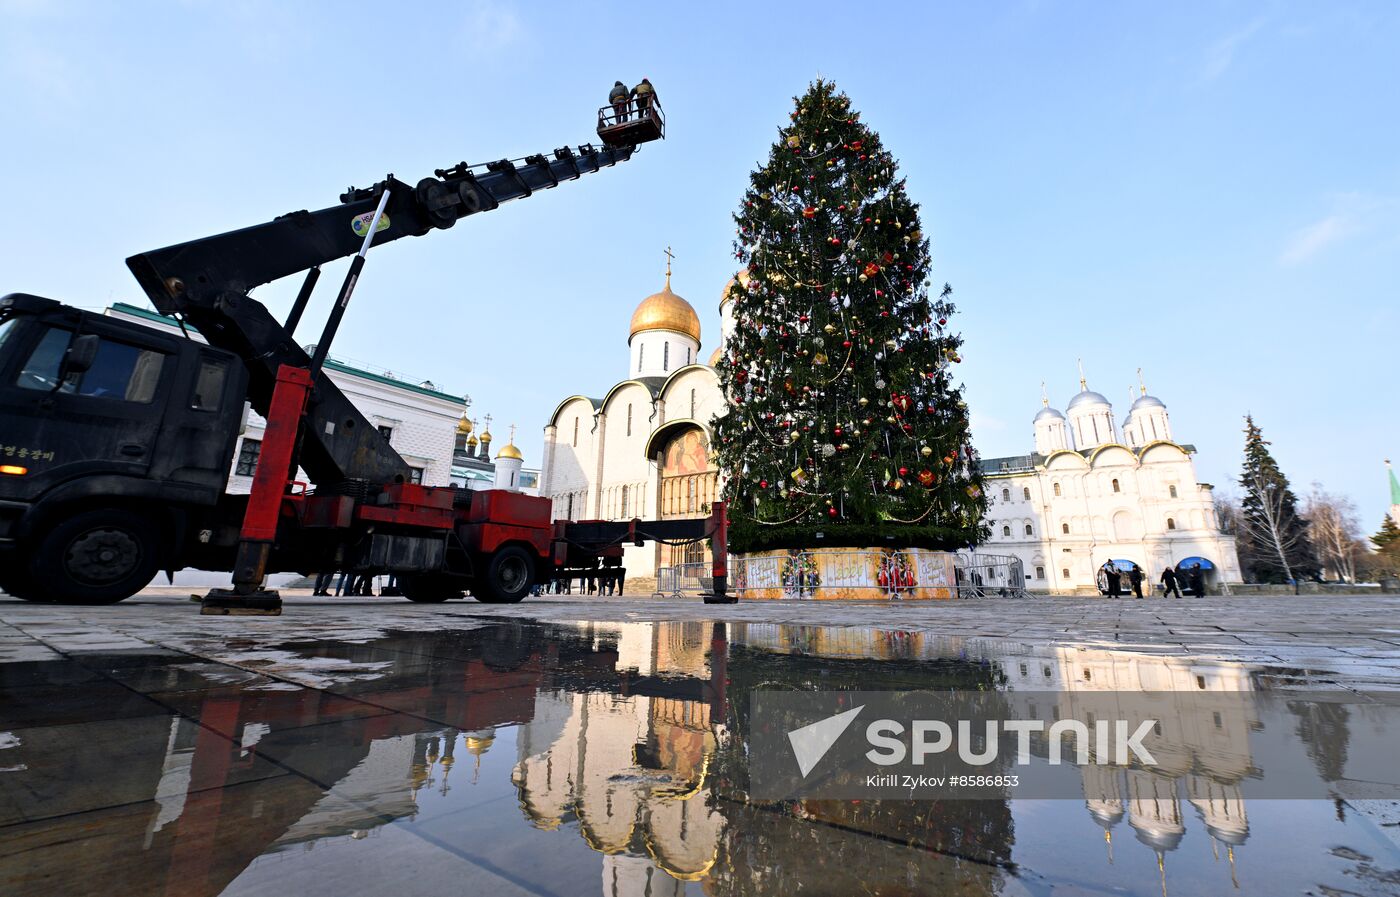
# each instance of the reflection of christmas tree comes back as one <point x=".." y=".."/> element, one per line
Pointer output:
<point x="844" y="418"/>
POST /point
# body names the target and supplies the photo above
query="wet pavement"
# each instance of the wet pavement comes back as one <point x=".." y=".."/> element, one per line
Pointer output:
<point x="586" y="747"/>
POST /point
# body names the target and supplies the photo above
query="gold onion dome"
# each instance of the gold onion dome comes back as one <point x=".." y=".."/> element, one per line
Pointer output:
<point x="727" y="295"/>
<point x="510" y="451"/>
<point x="716" y="355"/>
<point x="665" y="311"/>
<point x="464" y="426"/>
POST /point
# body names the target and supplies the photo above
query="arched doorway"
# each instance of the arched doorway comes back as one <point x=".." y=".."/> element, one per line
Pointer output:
<point x="689" y="483"/>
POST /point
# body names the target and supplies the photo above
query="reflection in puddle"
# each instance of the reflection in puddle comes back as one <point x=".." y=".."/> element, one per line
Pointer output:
<point x="613" y="759"/>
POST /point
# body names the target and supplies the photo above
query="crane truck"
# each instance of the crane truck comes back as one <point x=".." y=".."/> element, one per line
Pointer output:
<point x="116" y="438"/>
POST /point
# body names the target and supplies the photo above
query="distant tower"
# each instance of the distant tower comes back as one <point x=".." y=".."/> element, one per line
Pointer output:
<point x="1394" y="494"/>
<point x="1051" y="433"/>
<point x="1147" y="420"/>
<point x="1090" y="417"/>
<point x="508" y="463"/>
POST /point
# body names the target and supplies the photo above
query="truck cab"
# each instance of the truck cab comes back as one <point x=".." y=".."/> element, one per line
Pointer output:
<point x="118" y="430"/>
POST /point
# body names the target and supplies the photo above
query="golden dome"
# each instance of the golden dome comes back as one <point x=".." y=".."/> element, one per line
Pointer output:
<point x="486" y="437"/>
<point x="725" y="295"/>
<point x="471" y="440"/>
<point x="715" y="356"/>
<point x="464" y="426"/>
<point x="510" y="451"/>
<point x="665" y="311"/>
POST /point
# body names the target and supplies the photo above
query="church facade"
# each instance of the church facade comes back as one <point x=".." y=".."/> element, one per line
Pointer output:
<point x="1093" y="491"/>
<point x="1090" y="492"/>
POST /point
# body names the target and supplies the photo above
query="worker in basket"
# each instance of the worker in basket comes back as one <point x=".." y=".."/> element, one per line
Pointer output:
<point x="619" y="97"/>
<point x="645" y="95"/>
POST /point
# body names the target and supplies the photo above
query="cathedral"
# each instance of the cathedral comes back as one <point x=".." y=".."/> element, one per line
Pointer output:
<point x="1090" y="492"/>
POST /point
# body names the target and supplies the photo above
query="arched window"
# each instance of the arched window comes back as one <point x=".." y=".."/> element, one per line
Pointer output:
<point x="1058" y="493"/>
<point x="1064" y="528"/>
<point x="626" y="503"/>
<point x="1006" y="495"/>
<point x="665" y="356"/>
<point x="1039" y="572"/>
<point x="641" y="351"/>
<point x="687" y="355"/>
<point x="1065" y="574"/>
<point x="1171" y="490"/>
<point x="1030" y="531"/>
<point x="629" y="418"/>
<point x="1026" y="493"/>
<point x="1006" y="531"/>
<point x="575" y="438"/>
<point x="692" y="404"/>
<point x="1116" y="487"/>
<point x="1171" y="523"/>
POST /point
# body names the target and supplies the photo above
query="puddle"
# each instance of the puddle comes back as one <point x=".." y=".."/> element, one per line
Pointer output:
<point x="614" y="759"/>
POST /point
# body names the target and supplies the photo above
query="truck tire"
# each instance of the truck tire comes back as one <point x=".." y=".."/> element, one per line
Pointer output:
<point x="508" y="576"/>
<point x="96" y="557"/>
<point x="429" y="588"/>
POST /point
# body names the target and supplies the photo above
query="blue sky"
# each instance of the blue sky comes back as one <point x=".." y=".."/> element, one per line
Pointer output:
<point x="1209" y="191"/>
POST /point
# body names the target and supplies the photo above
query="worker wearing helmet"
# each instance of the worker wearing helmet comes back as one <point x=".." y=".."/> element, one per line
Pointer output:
<point x="645" y="94"/>
<point x="619" y="96"/>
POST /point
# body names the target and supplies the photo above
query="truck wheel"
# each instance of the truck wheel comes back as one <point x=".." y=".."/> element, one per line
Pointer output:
<point x="429" y="588"/>
<point x="98" y="557"/>
<point x="509" y="574"/>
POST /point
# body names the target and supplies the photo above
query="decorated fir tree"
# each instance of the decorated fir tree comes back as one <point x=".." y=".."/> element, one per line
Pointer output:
<point x="845" y="425"/>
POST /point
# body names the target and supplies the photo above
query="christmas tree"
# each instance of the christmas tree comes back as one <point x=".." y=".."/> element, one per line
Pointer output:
<point x="1277" y="536"/>
<point x="844" y="424"/>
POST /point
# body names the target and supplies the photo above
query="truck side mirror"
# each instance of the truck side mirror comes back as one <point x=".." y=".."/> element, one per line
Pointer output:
<point x="82" y="352"/>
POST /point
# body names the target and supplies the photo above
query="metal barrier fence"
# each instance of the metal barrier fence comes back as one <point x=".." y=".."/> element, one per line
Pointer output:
<point x="856" y="575"/>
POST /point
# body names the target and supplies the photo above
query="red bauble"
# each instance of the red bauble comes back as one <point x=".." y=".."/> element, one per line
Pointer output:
<point x="831" y="512"/>
<point x="904" y="471"/>
<point x="763" y="484"/>
<point x="809" y="212"/>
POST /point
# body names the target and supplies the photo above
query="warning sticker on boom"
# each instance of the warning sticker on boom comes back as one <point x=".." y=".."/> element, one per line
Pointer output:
<point x="360" y="223"/>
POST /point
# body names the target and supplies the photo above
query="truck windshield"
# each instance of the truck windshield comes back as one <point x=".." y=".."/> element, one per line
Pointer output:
<point x="6" y="325"/>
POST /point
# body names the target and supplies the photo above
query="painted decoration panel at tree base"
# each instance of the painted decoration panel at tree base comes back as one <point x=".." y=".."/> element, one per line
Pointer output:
<point x="850" y="574"/>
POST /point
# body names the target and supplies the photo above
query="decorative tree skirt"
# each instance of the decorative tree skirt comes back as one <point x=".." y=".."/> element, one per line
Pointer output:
<point x="868" y="574"/>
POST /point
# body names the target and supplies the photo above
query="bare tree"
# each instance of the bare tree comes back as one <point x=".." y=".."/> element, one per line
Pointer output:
<point x="1334" y="531"/>
<point x="1272" y="526"/>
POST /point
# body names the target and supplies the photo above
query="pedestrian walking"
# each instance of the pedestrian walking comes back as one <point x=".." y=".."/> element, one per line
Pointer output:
<point x="1198" y="581"/>
<point x="1114" y="578"/>
<point x="346" y="585"/>
<point x="646" y="95"/>
<point x="619" y="96"/>
<point x="323" y="584"/>
<point x="1169" y="583"/>
<point x="1135" y="577"/>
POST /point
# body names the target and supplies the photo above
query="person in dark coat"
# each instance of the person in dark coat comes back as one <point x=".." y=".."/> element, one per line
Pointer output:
<point x="1135" y="577"/>
<point x="323" y="585"/>
<point x="1110" y="573"/>
<point x="1169" y="583"/>
<point x="645" y="94"/>
<point x="1198" y="581"/>
<point x="619" y="96"/>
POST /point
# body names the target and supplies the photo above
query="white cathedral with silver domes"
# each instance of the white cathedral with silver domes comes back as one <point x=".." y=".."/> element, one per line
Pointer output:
<point x="1091" y="493"/>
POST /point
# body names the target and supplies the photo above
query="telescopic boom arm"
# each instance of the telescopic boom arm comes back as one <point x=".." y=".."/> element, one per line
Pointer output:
<point x="207" y="281"/>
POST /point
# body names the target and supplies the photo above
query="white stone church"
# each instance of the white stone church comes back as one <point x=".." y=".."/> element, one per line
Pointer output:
<point x="1089" y="493"/>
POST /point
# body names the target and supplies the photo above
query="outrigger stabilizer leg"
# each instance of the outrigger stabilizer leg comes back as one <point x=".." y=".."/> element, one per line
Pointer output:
<point x="277" y="460"/>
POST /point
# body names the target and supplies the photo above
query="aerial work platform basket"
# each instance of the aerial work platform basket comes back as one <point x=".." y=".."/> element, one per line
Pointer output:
<point x="632" y="122"/>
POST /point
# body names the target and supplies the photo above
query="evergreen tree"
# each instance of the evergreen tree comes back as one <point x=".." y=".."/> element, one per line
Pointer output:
<point x="844" y="419"/>
<point x="1388" y="536"/>
<point x="1277" y="536"/>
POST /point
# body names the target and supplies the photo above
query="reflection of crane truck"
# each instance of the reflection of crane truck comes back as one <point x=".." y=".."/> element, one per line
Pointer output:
<point x="115" y="438"/>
